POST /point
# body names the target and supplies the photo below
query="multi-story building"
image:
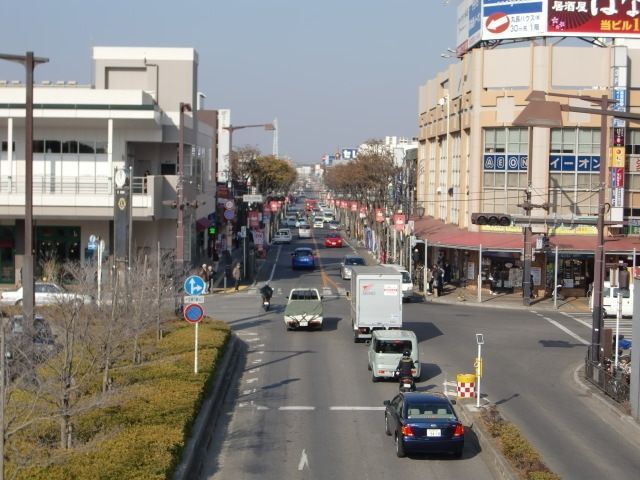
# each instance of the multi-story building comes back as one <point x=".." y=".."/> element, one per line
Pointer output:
<point x="93" y="142"/>
<point x="471" y="158"/>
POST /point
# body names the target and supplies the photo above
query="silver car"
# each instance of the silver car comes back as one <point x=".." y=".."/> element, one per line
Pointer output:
<point x="45" y="293"/>
<point x="347" y="262"/>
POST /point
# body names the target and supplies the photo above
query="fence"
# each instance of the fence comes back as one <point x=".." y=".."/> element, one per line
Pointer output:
<point x="614" y="384"/>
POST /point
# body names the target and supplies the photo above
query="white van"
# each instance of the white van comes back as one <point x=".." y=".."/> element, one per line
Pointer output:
<point x="385" y="351"/>
<point x="610" y="300"/>
<point x="407" y="284"/>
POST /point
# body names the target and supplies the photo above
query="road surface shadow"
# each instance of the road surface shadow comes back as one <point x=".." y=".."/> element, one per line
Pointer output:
<point x="559" y="344"/>
<point x="505" y="400"/>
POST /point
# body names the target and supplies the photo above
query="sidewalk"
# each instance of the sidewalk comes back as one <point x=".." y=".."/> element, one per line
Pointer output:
<point x="468" y="296"/>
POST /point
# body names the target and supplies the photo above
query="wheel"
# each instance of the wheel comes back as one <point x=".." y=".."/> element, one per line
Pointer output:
<point x="399" y="447"/>
<point x="374" y="379"/>
<point x="386" y="425"/>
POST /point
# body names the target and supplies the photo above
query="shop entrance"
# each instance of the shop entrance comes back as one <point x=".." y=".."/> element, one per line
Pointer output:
<point x="7" y="255"/>
<point x="60" y="244"/>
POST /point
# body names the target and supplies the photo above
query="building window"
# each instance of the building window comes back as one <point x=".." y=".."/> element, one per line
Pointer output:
<point x="505" y="163"/>
<point x="632" y="179"/>
<point x="574" y="165"/>
<point x="5" y="146"/>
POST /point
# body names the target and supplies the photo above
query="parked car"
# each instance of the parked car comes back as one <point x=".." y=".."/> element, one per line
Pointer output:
<point x="302" y="258"/>
<point x="283" y="235"/>
<point x="347" y="262"/>
<point x="46" y="293"/>
<point x="333" y="240"/>
<point x="421" y="422"/>
<point x="304" y="230"/>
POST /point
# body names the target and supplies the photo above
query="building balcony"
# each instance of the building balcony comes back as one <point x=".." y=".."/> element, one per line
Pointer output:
<point x="87" y="197"/>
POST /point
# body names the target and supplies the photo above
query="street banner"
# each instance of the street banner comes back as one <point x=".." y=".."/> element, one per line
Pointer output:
<point x="399" y="221"/>
<point x="379" y="215"/>
<point x="354" y="206"/>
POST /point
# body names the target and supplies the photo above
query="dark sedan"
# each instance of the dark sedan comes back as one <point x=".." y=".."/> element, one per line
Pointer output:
<point x="423" y="422"/>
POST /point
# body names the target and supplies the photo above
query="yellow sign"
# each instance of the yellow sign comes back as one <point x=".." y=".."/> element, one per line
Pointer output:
<point x="617" y="157"/>
<point x="501" y="229"/>
<point x="575" y="230"/>
<point x="478" y="366"/>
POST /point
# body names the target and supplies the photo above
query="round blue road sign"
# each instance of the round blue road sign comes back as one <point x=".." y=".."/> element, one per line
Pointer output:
<point x="193" y="313"/>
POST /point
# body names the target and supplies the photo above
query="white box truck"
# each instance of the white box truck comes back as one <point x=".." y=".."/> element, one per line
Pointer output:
<point x="376" y="300"/>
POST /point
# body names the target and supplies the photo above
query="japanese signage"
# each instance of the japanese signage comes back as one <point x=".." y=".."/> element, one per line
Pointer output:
<point x="354" y="206"/>
<point x="573" y="163"/>
<point x="601" y="18"/>
<point x="503" y="162"/>
<point x="503" y="19"/>
<point x="398" y="221"/>
<point x="617" y="157"/>
<point x="379" y="215"/>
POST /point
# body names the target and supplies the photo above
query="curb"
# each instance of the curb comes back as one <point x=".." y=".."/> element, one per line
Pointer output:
<point x="492" y="457"/>
<point x="204" y="425"/>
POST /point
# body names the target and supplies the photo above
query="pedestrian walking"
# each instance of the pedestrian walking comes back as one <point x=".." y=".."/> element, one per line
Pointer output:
<point x="210" y="277"/>
<point x="203" y="272"/>
<point x="236" y="274"/>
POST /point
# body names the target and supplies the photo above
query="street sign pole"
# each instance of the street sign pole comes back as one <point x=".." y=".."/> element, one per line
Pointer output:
<point x="195" y="355"/>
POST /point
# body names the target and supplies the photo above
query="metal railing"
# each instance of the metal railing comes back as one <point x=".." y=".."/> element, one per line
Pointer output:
<point x="69" y="185"/>
<point x="613" y="383"/>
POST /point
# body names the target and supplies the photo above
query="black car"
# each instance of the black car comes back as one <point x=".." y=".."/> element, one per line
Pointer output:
<point x="423" y="422"/>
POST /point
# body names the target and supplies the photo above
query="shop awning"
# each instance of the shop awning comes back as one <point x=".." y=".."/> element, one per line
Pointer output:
<point x="438" y="233"/>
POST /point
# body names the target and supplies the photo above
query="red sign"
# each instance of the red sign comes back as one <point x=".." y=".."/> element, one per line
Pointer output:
<point x="193" y="313"/>
<point x="379" y="215"/>
<point x="354" y="206"/>
<point x="497" y="22"/>
<point x="598" y="18"/>
<point x="398" y="221"/>
<point x="273" y="204"/>
<point x="254" y="222"/>
<point x="617" y="177"/>
<point x="363" y="209"/>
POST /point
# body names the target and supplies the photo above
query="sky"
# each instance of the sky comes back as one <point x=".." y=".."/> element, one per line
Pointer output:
<point x="335" y="73"/>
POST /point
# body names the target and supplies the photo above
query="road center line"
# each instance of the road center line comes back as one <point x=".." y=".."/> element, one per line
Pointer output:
<point x="297" y="407"/>
<point x="567" y="331"/>
<point x="586" y="324"/>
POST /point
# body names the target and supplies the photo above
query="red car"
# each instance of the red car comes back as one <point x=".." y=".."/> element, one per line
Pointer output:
<point x="333" y="240"/>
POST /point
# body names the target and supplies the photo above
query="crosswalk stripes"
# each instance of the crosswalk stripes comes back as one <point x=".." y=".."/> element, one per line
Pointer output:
<point x="584" y="319"/>
<point x="326" y="292"/>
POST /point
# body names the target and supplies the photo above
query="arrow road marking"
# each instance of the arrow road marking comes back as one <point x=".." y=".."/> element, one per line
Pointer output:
<point x="304" y="461"/>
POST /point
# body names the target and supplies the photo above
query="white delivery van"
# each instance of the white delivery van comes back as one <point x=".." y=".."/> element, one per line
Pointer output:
<point x="407" y="284"/>
<point x="376" y="300"/>
<point x="610" y="300"/>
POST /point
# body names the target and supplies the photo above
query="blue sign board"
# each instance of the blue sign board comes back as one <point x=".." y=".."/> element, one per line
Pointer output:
<point x="194" y="285"/>
<point x="573" y="163"/>
<point x="502" y="162"/>
<point x="193" y="313"/>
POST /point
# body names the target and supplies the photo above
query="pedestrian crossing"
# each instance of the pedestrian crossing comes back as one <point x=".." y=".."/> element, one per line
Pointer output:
<point x="584" y="319"/>
<point x="326" y="292"/>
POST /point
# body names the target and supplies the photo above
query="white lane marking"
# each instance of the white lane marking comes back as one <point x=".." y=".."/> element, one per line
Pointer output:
<point x="304" y="461"/>
<point x="247" y="333"/>
<point x="249" y="392"/>
<point x="586" y="324"/>
<point x="254" y="370"/>
<point x="257" y="361"/>
<point x="260" y="346"/>
<point x="260" y="407"/>
<point x="340" y="408"/>
<point x="297" y="407"/>
<point x="251" y="380"/>
<point x="257" y="339"/>
<point x="273" y="269"/>
<point x="567" y="331"/>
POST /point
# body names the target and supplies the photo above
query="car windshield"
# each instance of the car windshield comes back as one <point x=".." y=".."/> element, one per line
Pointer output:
<point x="392" y="346"/>
<point x="333" y="235"/>
<point x="303" y="253"/>
<point x="429" y="410"/>
<point x="354" y="261"/>
<point x="405" y="277"/>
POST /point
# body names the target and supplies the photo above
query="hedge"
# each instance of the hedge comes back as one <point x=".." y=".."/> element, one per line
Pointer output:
<point x="141" y="431"/>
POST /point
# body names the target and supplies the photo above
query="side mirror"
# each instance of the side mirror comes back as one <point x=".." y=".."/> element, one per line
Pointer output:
<point x="386" y="403"/>
<point x="368" y="342"/>
<point x="453" y="401"/>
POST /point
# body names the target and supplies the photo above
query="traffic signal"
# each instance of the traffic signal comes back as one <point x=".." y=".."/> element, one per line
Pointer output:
<point x="212" y="230"/>
<point x="501" y="219"/>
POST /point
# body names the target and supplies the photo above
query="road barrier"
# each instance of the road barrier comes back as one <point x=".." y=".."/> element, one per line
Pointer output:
<point x="466" y="385"/>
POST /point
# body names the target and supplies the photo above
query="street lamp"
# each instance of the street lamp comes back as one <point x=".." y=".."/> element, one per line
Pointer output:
<point x="543" y="113"/>
<point x="28" y="299"/>
<point x="180" y="194"/>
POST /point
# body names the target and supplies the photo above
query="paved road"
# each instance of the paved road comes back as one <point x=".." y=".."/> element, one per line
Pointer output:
<point x="304" y="405"/>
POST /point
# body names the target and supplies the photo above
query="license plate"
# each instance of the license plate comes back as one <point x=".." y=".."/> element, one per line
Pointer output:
<point x="408" y="385"/>
<point x="433" y="432"/>
<point x="303" y="324"/>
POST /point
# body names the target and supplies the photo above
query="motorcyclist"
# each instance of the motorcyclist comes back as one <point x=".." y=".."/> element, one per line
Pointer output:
<point x="266" y="291"/>
<point x="405" y="366"/>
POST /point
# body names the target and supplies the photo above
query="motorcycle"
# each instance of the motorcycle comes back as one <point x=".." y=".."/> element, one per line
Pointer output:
<point x="266" y="303"/>
<point x="405" y="383"/>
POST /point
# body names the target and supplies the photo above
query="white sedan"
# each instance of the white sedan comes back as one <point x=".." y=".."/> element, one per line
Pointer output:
<point x="46" y="293"/>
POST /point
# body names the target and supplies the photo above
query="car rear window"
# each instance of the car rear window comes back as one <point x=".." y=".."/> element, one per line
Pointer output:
<point x="429" y="410"/>
<point x="392" y="346"/>
<point x="304" y="295"/>
<point x="354" y="261"/>
<point x="303" y="253"/>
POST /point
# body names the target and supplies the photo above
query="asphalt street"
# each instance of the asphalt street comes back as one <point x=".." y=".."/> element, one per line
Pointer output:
<point x="304" y="405"/>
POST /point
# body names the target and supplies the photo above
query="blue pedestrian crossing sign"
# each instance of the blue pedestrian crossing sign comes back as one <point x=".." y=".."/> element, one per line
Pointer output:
<point x="194" y="285"/>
